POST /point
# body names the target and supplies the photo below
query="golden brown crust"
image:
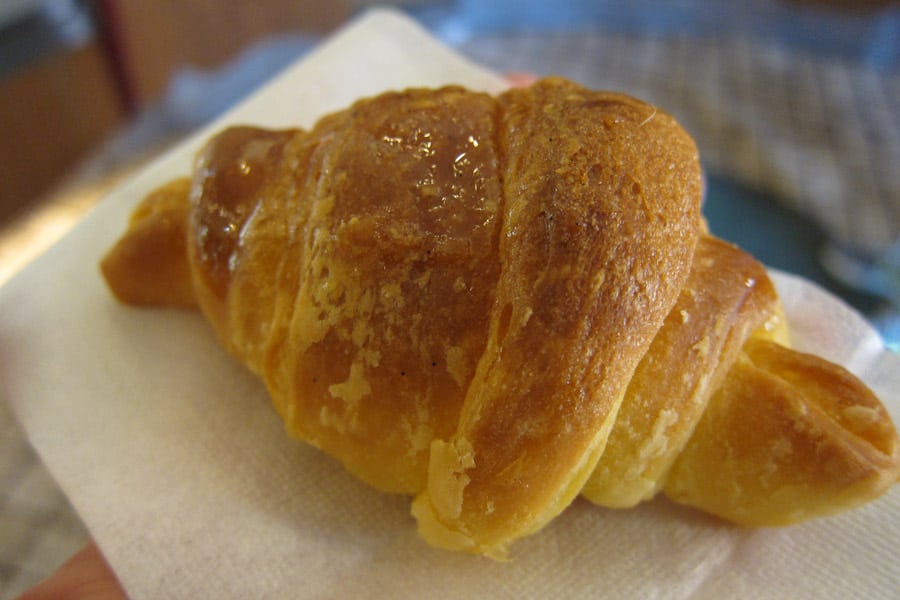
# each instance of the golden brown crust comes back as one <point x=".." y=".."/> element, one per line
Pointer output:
<point x="240" y="193"/>
<point x="397" y="273"/>
<point x="788" y="436"/>
<point x="728" y="295"/>
<point x="149" y="265"/>
<point x="451" y="293"/>
<point x="600" y="221"/>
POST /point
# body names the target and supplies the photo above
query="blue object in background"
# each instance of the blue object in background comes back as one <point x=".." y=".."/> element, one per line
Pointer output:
<point x="784" y="239"/>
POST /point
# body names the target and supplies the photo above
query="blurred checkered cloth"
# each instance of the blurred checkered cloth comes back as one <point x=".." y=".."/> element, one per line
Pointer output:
<point x="39" y="530"/>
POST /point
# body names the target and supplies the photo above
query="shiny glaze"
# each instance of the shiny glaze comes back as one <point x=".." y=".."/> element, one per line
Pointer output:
<point x="229" y="176"/>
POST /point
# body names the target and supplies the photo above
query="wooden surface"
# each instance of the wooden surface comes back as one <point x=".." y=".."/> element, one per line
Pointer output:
<point x="152" y="39"/>
<point x="52" y="115"/>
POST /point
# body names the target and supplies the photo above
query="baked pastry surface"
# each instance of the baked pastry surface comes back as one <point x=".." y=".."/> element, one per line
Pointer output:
<point x="495" y="304"/>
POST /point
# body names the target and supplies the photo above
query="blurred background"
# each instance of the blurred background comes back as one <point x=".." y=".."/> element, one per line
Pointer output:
<point x="795" y="105"/>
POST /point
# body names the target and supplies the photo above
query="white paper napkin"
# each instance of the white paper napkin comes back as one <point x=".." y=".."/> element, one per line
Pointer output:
<point x="172" y="455"/>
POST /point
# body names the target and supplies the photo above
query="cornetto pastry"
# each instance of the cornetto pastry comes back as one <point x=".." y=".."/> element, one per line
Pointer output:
<point x="496" y="304"/>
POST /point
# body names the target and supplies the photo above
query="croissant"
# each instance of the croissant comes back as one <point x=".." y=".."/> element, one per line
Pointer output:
<point x="495" y="304"/>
